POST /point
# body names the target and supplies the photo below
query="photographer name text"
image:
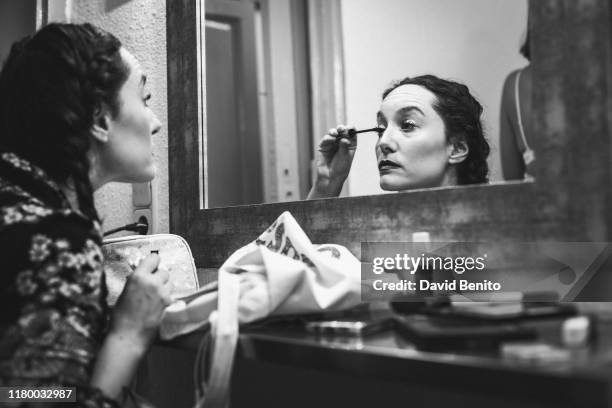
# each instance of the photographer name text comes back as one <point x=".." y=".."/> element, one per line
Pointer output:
<point x="446" y="286"/>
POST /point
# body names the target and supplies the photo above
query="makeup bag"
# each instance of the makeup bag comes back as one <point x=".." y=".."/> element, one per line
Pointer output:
<point x="123" y="254"/>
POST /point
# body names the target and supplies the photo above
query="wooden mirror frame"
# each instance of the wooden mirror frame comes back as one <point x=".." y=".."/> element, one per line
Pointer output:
<point x="569" y="201"/>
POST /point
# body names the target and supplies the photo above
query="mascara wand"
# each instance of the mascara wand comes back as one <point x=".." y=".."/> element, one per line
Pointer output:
<point x="352" y="132"/>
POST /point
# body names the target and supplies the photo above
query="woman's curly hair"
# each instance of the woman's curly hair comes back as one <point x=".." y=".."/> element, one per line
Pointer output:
<point x="461" y="113"/>
<point x="51" y="87"/>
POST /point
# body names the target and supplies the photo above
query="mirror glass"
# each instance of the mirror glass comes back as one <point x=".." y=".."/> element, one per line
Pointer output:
<point x="277" y="74"/>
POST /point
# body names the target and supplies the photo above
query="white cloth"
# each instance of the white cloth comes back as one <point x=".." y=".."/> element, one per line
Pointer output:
<point x="280" y="273"/>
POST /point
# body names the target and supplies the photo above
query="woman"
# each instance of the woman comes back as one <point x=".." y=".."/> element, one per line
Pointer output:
<point x="515" y="135"/>
<point x="430" y="136"/>
<point x="73" y="117"/>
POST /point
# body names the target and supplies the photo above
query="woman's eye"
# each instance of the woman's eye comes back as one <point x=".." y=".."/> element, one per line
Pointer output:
<point x="408" y="125"/>
<point x="146" y="99"/>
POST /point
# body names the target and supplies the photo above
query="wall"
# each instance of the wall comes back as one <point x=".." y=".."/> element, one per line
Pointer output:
<point x="473" y="41"/>
<point x="141" y="27"/>
<point x="17" y="19"/>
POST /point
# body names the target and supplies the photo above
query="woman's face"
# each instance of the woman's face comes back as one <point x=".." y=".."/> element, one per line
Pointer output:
<point x="413" y="151"/>
<point x="128" y="153"/>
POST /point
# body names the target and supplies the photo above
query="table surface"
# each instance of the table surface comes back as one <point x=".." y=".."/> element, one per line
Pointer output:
<point x="585" y="377"/>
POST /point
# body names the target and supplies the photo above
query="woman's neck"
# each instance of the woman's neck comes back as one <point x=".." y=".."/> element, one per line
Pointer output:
<point x="449" y="179"/>
<point x="97" y="175"/>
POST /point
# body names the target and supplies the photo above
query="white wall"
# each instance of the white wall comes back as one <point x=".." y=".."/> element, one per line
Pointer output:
<point x="141" y="27"/>
<point x="472" y="41"/>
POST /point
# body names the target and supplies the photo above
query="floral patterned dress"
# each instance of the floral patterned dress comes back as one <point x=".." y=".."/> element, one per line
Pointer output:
<point x="53" y="311"/>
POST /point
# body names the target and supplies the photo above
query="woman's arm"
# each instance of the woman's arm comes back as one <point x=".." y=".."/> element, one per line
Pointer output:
<point x="55" y="309"/>
<point x="136" y="318"/>
<point x="116" y="364"/>
<point x="513" y="167"/>
<point x="53" y="303"/>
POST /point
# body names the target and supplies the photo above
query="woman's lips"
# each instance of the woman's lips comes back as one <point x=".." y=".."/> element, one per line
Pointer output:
<point x="387" y="165"/>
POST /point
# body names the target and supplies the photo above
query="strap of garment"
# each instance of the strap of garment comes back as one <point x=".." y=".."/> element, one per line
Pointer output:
<point x="224" y="329"/>
<point x="528" y="154"/>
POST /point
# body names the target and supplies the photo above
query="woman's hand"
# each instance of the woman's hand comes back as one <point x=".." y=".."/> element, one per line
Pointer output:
<point x="336" y="152"/>
<point x="138" y="311"/>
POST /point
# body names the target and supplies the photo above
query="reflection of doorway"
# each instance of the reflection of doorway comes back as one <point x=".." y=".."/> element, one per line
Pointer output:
<point x="257" y="68"/>
<point x="233" y="158"/>
<point x="285" y="97"/>
<point x="290" y="51"/>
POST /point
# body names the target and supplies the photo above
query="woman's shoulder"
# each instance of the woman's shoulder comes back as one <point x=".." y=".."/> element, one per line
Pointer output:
<point x="510" y="81"/>
<point x="30" y="230"/>
<point x="22" y="210"/>
<point x="523" y="73"/>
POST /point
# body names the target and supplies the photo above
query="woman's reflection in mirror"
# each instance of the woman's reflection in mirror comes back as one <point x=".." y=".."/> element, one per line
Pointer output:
<point x="517" y="156"/>
<point x="431" y="135"/>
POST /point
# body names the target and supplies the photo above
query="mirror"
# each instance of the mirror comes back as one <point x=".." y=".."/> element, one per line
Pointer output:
<point x="570" y="42"/>
<point x="279" y="74"/>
